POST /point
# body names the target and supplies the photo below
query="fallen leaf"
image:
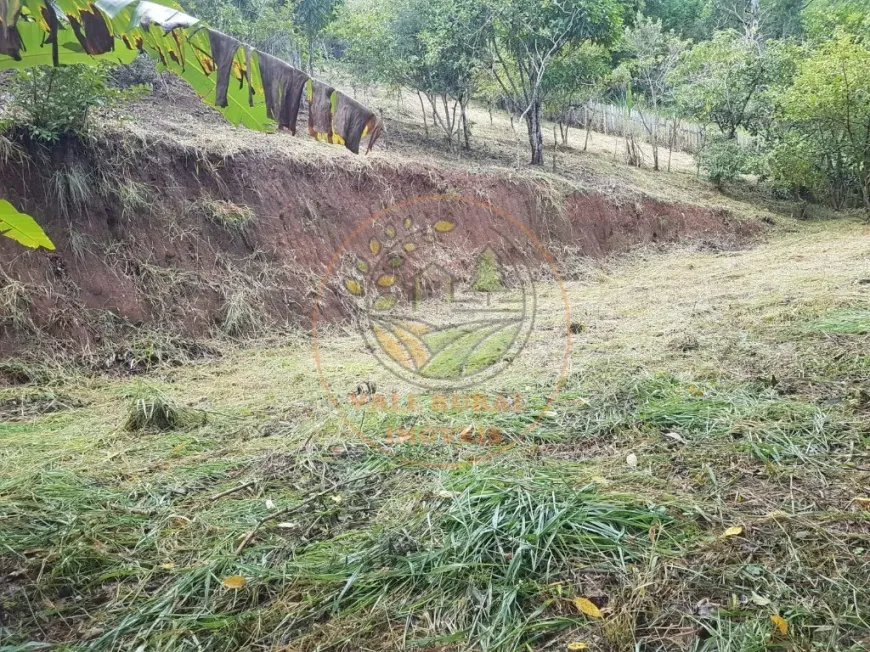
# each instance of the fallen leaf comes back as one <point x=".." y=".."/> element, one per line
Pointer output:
<point x="732" y="531"/>
<point x="167" y="566"/>
<point x="863" y="501"/>
<point x="578" y="645"/>
<point x="631" y="460"/>
<point x="270" y="504"/>
<point x="781" y="624"/>
<point x="675" y="437"/>
<point x="289" y="525"/>
<point x="586" y="606"/>
<point x="761" y="601"/>
<point x="234" y="582"/>
<point x="336" y="498"/>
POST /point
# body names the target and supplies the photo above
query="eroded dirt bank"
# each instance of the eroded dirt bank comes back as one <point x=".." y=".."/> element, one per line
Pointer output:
<point x="189" y="242"/>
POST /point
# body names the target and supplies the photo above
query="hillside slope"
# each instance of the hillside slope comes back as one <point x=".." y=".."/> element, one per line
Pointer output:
<point x="177" y="221"/>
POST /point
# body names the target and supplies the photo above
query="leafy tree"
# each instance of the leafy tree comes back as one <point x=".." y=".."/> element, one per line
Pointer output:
<point x="312" y="17"/>
<point x="653" y="53"/>
<point x="528" y="36"/>
<point x="434" y="47"/>
<point x="725" y="81"/>
<point x="573" y="80"/>
<point x="828" y="111"/>
<point x="724" y="160"/>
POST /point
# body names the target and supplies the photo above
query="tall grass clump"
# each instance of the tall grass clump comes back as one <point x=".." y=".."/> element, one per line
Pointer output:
<point x="150" y="409"/>
<point x="485" y="566"/>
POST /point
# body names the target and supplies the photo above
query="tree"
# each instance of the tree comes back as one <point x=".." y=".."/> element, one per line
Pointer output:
<point x="726" y="81"/>
<point x="312" y="16"/>
<point x="828" y="111"/>
<point x="573" y="80"/>
<point x="528" y="36"/>
<point x="434" y="47"/>
<point x="653" y="53"/>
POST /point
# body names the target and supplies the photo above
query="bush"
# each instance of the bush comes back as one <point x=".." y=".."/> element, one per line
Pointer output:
<point x="724" y="160"/>
<point x="49" y="104"/>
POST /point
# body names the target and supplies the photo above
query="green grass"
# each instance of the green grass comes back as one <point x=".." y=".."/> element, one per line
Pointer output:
<point x="847" y="322"/>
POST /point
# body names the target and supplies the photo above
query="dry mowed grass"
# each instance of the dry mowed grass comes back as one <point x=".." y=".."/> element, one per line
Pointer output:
<point x="702" y="479"/>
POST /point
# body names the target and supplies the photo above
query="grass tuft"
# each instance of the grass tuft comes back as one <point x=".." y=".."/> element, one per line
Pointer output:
<point x="227" y="214"/>
<point x="150" y="409"/>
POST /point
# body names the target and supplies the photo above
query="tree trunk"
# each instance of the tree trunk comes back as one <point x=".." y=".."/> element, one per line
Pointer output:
<point x="536" y="136"/>
<point x="466" y="132"/>
<point x="423" y="109"/>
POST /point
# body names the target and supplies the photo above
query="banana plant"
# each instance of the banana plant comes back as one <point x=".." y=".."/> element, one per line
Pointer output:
<point x="222" y="71"/>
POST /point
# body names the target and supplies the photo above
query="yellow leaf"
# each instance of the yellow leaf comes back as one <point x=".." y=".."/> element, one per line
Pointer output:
<point x="443" y="226"/>
<point x="234" y="582"/>
<point x="374" y="246"/>
<point x="408" y="223"/>
<point x="386" y="280"/>
<point x="167" y="566"/>
<point x="353" y="287"/>
<point x="362" y="266"/>
<point x="733" y="531"/>
<point x="586" y="606"/>
<point x="409" y="247"/>
<point x="390" y="231"/>
<point x="578" y="645"/>
<point x="336" y="498"/>
<point x="781" y="624"/>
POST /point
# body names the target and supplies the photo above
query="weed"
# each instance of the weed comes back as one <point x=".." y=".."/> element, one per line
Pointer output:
<point x="72" y="188"/>
<point x="241" y="314"/>
<point x="232" y="217"/>
<point x="133" y="197"/>
<point x="15" y="300"/>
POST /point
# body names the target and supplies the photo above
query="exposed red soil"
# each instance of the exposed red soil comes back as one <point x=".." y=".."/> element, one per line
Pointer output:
<point x="168" y="266"/>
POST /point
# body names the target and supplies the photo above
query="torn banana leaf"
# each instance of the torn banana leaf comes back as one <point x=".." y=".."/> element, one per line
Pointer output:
<point x="191" y="59"/>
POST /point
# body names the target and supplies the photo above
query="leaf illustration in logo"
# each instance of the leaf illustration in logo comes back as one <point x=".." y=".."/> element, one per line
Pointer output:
<point x="444" y="226"/>
<point x="374" y="246"/>
<point x="362" y="266"/>
<point x="386" y="280"/>
<point x="353" y="287"/>
<point x="390" y="230"/>
<point x="408" y="223"/>
<point x="409" y="247"/>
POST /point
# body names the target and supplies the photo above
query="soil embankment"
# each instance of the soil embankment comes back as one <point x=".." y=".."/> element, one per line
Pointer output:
<point x="157" y="234"/>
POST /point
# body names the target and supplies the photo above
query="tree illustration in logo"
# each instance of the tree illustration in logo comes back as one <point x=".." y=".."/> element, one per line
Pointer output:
<point x="424" y="325"/>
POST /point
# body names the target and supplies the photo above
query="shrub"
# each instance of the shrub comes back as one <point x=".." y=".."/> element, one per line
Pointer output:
<point x="49" y="104"/>
<point x="724" y="160"/>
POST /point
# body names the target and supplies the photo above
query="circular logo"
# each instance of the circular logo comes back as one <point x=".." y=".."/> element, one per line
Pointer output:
<point x="444" y="293"/>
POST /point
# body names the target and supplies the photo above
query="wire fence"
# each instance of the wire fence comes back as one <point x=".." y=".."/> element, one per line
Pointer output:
<point x="672" y="133"/>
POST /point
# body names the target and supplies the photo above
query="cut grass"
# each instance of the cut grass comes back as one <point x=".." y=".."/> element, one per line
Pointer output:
<point x="113" y="541"/>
